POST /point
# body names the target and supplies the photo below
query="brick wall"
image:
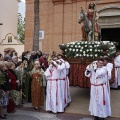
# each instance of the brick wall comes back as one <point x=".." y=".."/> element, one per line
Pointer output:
<point x="59" y="20"/>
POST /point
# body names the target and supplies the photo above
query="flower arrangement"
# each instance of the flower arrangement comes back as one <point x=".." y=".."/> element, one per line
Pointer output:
<point x="92" y="49"/>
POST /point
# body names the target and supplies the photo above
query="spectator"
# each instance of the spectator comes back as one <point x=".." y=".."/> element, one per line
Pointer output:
<point x="1" y="57"/>
<point x="43" y="62"/>
<point x="9" y="53"/>
<point x="7" y="59"/>
<point x="15" y="60"/>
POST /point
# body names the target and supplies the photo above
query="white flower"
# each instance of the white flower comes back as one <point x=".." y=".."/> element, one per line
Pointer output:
<point x="95" y="50"/>
<point x="96" y="55"/>
<point x="65" y="49"/>
<point x="70" y="49"/>
<point x="90" y="46"/>
<point x="73" y="50"/>
<point x="90" y="49"/>
<point x="75" y="46"/>
<point x="87" y="55"/>
<point x="71" y="45"/>
<point x="81" y="47"/>
<point x="97" y="45"/>
<point x="76" y="54"/>
<point x="98" y="50"/>
<point x="91" y="55"/>
<point x="112" y="43"/>
<point x="86" y="42"/>
<point x="80" y="50"/>
<point x="67" y="45"/>
<point x="85" y="45"/>
<point x="83" y="51"/>
<point x="94" y="45"/>
<point x="76" y="49"/>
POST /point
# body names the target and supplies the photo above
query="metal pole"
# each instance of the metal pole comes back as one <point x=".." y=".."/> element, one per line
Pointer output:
<point x="93" y="37"/>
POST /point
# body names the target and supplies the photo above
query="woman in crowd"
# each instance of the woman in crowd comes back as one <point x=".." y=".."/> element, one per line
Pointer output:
<point x="4" y="89"/>
<point x="37" y="86"/>
<point x="12" y="75"/>
<point x="1" y="57"/>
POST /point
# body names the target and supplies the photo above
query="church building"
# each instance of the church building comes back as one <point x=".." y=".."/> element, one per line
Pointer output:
<point x="59" y="22"/>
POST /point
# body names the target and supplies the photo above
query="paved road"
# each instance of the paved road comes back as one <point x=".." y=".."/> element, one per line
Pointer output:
<point x="32" y="115"/>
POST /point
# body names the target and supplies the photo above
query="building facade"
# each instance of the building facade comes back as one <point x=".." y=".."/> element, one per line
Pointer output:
<point x="8" y="29"/>
<point x="59" y="21"/>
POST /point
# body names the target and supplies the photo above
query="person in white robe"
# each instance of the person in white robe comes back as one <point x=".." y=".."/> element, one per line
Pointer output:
<point x="54" y="101"/>
<point x="109" y="71"/>
<point x="62" y="86"/>
<point x="68" y="97"/>
<point x="99" y="96"/>
<point x="116" y="83"/>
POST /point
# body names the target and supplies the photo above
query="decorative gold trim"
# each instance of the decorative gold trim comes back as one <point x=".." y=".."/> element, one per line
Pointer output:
<point x="14" y="39"/>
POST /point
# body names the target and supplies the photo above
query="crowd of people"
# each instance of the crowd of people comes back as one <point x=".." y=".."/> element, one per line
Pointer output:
<point x="33" y="77"/>
<point x="42" y="79"/>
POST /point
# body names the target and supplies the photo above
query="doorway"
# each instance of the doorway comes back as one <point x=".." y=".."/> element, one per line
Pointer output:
<point x="111" y="34"/>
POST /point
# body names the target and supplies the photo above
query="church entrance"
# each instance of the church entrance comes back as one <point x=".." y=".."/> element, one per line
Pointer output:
<point x="110" y="34"/>
<point x="109" y="20"/>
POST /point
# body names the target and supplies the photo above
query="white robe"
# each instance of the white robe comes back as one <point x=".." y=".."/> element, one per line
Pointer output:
<point x="99" y="96"/>
<point x="109" y="75"/>
<point x="68" y="97"/>
<point x="117" y="72"/>
<point x="53" y="99"/>
<point x="62" y="86"/>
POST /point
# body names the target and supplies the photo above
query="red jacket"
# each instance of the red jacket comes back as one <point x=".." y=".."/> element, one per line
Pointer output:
<point x="13" y="80"/>
<point x="43" y="61"/>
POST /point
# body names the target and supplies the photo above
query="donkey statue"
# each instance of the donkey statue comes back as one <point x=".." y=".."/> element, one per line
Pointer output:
<point x="88" y="27"/>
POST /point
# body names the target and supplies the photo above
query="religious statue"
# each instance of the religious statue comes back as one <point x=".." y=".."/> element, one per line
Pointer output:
<point x="90" y="29"/>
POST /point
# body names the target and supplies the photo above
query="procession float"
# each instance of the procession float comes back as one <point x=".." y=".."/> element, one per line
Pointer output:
<point x="90" y="48"/>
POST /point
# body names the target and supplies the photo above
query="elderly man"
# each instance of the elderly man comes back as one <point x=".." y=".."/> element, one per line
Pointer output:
<point x="15" y="60"/>
<point x="8" y="55"/>
<point x="99" y="96"/>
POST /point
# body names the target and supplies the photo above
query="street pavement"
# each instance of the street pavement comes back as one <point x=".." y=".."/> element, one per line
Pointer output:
<point x="37" y="115"/>
<point x="78" y="109"/>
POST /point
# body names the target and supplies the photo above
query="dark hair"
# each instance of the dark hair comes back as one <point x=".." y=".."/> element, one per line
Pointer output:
<point x="91" y="5"/>
<point x="19" y="63"/>
<point x="6" y="58"/>
<point x="60" y="55"/>
<point x="107" y="59"/>
<point x="101" y="59"/>
<point x="1" y="55"/>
